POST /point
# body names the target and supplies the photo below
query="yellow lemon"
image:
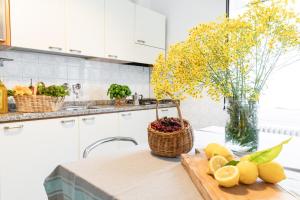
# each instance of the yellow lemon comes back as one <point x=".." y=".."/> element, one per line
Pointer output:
<point x="210" y="148"/>
<point x="248" y="172"/>
<point x="217" y="149"/>
<point x="215" y="163"/>
<point x="245" y="158"/>
<point x="227" y="176"/>
<point x="271" y="172"/>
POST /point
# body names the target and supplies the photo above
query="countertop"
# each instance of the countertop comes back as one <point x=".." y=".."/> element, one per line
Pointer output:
<point x="15" y="117"/>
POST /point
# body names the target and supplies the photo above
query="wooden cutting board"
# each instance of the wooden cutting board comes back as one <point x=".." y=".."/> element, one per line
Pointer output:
<point x="197" y="167"/>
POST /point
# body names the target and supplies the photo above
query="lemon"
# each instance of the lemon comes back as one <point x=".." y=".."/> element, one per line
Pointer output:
<point x="217" y="149"/>
<point x="245" y="158"/>
<point x="248" y="172"/>
<point x="215" y="163"/>
<point x="271" y="172"/>
<point x="228" y="176"/>
<point x="210" y="148"/>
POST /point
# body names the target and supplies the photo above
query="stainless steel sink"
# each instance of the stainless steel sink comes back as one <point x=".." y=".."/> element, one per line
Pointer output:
<point x="74" y="108"/>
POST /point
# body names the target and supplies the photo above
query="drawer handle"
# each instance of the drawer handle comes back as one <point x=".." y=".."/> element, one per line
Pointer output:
<point x="55" y="48"/>
<point x="13" y="127"/>
<point x="164" y="110"/>
<point x="141" y="41"/>
<point x="68" y="121"/>
<point x="75" y="51"/>
<point x="125" y="115"/>
<point x="112" y="56"/>
<point x="88" y="119"/>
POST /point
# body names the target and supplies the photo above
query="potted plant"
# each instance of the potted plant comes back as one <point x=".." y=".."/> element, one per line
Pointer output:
<point x="235" y="57"/>
<point x="118" y="93"/>
<point x="169" y="137"/>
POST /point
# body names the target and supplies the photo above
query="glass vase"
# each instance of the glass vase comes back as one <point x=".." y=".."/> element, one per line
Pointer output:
<point x="241" y="131"/>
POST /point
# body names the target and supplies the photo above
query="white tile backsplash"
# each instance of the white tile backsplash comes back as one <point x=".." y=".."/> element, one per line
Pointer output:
<point x="94" y="76"/>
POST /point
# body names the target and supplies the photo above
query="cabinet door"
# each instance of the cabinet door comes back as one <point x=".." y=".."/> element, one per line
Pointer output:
<point x="96" y="127"/>
<point x="167" y="112"/>
<point x="150" y="28"/>
<point x="134" y="124"/>
<point x="38" y="24"/>
<point x="146" y="54"/>
<point x="85" y="27"/>
<point x="30" y="151"/>
<point x="119" y="30"/>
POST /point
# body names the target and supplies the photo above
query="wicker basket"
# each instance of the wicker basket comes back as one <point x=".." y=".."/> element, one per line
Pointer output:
<point x="38" y="103"/>
<point x="171" y="144"/>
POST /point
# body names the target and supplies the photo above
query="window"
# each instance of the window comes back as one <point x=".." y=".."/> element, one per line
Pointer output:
<point x="283" y="88"/>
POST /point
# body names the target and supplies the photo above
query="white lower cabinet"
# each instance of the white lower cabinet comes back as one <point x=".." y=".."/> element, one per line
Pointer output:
<point x="96" y="127"/>
<point x="134" y="124"/>
<point x="167" y="112"/>
<point x="29" y="151"/>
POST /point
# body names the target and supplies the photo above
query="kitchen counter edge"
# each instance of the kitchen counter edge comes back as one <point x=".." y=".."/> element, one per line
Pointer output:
<point x="19" y="117"/>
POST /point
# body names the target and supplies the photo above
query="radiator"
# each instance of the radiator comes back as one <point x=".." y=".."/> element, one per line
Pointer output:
<point x="295" y="132"/>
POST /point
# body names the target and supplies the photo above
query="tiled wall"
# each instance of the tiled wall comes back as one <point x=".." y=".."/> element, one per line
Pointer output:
<point x="94" y="76"/>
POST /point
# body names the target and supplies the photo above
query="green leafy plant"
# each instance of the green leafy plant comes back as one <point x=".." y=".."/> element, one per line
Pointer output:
<point x="53" y="90"/>
<point x="10" y="93"/>
<point x="116" y="91"/>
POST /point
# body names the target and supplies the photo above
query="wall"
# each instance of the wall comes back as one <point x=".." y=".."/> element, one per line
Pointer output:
<point x="94" y="76"/>
<point x="181" y="17"/>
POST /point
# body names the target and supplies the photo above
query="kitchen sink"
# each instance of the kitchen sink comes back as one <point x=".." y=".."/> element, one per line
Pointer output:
<point x="74" y="108"/>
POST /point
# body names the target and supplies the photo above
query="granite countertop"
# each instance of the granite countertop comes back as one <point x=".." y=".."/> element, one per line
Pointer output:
<point x="102" y="109"/>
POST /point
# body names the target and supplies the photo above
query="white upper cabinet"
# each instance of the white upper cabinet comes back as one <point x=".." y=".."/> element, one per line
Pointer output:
<point x="38" y="24"/>
<point x="85" y="27"/>
<point x="150" y="28"/>
<point x="110" y="29"/>
<point x="119" y="29"/>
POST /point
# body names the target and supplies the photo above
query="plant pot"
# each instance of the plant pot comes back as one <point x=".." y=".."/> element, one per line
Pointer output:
<point x="241" y="132"/>
<point x="120" y="102"/>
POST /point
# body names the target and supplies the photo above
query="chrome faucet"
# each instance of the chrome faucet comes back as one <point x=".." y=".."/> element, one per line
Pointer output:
<point x="4" y="59"/>
<point x="76" y="90"/>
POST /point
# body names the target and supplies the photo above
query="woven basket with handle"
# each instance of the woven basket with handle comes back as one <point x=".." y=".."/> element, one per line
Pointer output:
<point x="38" y="103"/>
<point x="171" y="144"/>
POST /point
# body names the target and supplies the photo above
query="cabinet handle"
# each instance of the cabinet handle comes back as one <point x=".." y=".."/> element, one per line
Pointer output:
<point x="141" y="41"/>
<point x="126" y="114"/>
<point x="68" y="121"/>
<point x="113" y="56"/>
<point x="55" y="48"/>
<point x="75" y="51"/>
<point x="13" y="127"/>
<point x="164" y="110"/>
<point x="88" y="119"/>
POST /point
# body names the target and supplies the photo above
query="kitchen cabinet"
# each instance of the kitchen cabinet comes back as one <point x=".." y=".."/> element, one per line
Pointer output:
<point x="119" y="30"/>
<point x="167" y="112"/>
<point x="29" y="151"/>
<point x="150" y="27"/>
<point x="134" y="124"/>
<point x="96" y="127"/>
<point x="4" y="23"/>
<point x="38" y="24"/>
<point x="146" y="54"/>
<point x="85" y="27"/>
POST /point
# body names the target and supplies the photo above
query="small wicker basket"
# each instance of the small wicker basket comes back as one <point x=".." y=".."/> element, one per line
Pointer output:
<point x="171" y="144"/>
<point x="38" y="103"/>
